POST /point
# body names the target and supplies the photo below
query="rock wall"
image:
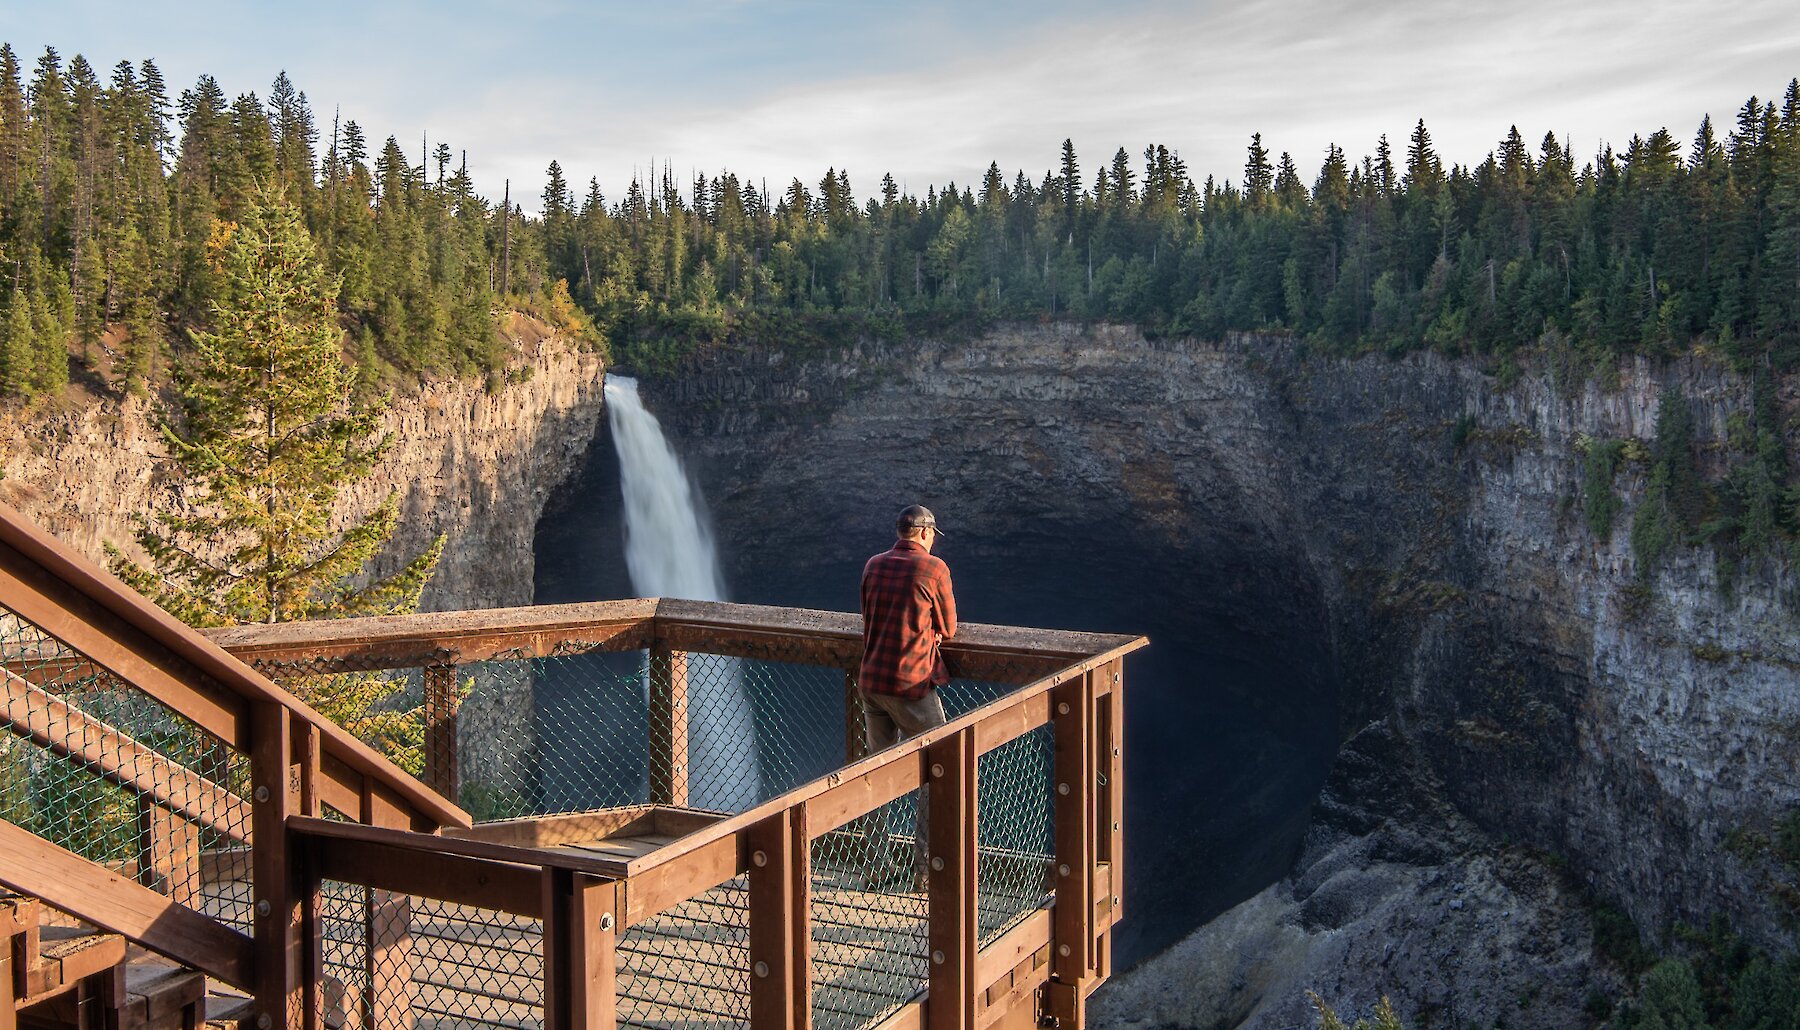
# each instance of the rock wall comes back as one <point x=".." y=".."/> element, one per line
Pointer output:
<point x="1573" y="734"/>
<point x="474" y="465"/>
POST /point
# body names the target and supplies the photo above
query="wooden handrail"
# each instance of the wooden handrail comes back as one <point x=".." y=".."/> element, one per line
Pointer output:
<point x="808" y="636"/>
<point x="91" y="611"/>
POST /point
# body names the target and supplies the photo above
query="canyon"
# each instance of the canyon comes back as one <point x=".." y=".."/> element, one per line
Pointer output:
<point x="1405" y="720"/>
<point x="1387" y="554"/>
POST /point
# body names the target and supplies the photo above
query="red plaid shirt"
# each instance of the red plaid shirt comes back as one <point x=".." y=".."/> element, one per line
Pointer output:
<point x="907" y="609"/>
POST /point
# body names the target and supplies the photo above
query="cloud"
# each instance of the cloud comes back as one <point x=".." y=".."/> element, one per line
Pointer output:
<point x="1303" y="73"/>
<point x="933" y="90"/>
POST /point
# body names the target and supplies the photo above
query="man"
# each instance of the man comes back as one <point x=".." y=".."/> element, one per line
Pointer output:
<point x="908" y="612"/>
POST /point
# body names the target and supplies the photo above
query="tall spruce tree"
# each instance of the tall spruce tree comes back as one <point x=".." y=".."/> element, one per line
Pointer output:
<point x="269" y="440"/>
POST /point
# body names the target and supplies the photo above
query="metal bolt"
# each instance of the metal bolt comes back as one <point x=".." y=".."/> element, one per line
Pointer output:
<point x="1115" y="752"/>
<point x="1115" y="826"/>
<point x="1062" y="708"/>
<point x="1063" y="869"/>
<point x="681" y="768"/>
<point x="1062" y="788"/>
<point x="1063" y="950"/>
<point x="1115" y="899"/>
<point x="262" y="794"/>
<point x="937" y="863"/>
<point x="1117" y="677"/>
<point x="937" y="770"/>
<point x="606" y="921"/>
<point x="262" y="908"/>
<point x="263" y="1022"/>
<point x="762" y="969"/>
<point x="937" y="957"/>
<point x="760" y="859"/>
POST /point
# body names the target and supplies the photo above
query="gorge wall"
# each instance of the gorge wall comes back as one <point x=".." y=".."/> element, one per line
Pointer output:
<point x="473" y="464"/>
<point x="1526" y="727"/>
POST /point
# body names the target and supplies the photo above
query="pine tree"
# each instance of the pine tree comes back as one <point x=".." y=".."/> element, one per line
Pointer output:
<point x="1259" y="174"/>
<point x="269" y="441"/>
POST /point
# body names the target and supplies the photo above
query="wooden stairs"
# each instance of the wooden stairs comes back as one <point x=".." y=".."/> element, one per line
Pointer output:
<point x="56" y="974"/>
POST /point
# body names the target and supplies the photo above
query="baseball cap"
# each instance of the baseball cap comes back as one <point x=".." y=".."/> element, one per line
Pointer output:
<point x="917" y="516"/>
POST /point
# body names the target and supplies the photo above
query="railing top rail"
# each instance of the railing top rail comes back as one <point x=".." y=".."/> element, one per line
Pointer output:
<point x="465" y="636"/>
<point x="78" y="596"/>
<point x="783" y="634"/>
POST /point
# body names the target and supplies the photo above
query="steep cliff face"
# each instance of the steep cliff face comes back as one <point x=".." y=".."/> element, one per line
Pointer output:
<point x="474" y="465"/>
<point x="1437" y="580"/>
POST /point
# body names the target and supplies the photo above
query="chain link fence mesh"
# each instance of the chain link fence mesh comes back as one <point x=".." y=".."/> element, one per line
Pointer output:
<point x="94" y="765"/>
<point x="690" y="964"/>
<point x="581" y="732"/>
<point x="394" y="961"/>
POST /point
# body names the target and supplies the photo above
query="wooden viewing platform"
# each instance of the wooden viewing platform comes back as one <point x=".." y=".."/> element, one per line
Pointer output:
<point x="281" y="855"/>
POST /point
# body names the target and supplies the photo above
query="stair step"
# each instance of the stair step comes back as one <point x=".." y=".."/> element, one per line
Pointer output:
<point x="66" y="956"/>
<point x="18" y="913"/>
<point x="159" y="993"/>
<point x="226" y="1011"/>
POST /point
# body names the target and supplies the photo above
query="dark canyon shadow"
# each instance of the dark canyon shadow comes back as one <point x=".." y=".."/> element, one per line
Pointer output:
<point x="1231" y="717"/>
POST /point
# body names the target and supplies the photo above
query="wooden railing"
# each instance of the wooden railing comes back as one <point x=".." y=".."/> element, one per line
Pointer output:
<point x="1071" y="682"/>
<point x="290" y="749"/>
<point x="394" y="839"/>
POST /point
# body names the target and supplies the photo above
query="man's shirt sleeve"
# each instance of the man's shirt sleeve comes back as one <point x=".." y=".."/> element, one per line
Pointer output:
<point x="946" y="602"/>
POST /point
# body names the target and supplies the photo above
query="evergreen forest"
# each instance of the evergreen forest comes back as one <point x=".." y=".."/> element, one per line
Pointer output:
<point x="116" y="202"/>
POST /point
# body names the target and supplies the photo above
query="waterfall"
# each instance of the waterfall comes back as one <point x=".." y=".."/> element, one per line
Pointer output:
<point x="669" y="552"/>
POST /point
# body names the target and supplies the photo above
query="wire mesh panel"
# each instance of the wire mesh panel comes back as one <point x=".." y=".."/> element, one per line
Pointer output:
<point x="869" y="931"/>
<point x="94" y="765"/>
<point x="394" y="960"/>
<point x="1015" y="831"/>
<point x="689" y="965"/>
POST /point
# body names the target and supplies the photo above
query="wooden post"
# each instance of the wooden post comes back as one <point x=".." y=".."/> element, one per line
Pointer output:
<point x="856" y="729"/>
<point x="388" y="961"/>
<point x="1112" y="763"/>
<point x="580" y="951"/>
<point x="277" y="917"/>
<point x="954" y="926"/>
<point x="168" y="853"/>
<point x="441" y="704"/>
<point x="668" y="727"/>
<point x="1071" y="942"/>
<point x="9" y="1016"/>
<point x="780" y="880"/>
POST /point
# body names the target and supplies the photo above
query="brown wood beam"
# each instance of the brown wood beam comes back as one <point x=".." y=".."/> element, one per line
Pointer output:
<point x="1072" y="716"/>
<point x="400" y="843"/>
<point x="276" y="918"/>
<point x="442" y="701"/>
<point x="952" y="791"/>
<point x="780" y="922"/>
<point x="580" y="951"/>
<point x="115" y="903"/>
<point x="404" y="641"/>
<point x="668" y="726"/>
<point x="1112" y="797"/>
<point x="388" y="960"/>
<point x="483" y="883"/>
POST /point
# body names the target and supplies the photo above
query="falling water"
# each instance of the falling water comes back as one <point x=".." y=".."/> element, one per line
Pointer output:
<point x="669" y="552"/>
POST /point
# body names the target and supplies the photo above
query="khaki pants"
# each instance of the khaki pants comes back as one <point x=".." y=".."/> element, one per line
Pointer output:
<point x="889" y="720"/>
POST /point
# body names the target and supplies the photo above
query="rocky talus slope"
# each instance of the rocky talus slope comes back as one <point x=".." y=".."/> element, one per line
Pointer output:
<point x="1525" y="724"/>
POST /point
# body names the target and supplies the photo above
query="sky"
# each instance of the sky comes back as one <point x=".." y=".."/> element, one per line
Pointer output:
<point x="932" y="91"/>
